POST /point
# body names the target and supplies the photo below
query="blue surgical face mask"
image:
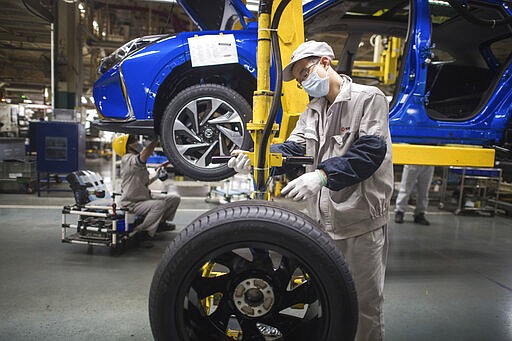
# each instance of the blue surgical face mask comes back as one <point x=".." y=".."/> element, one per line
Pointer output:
<point x="316" y="86"/>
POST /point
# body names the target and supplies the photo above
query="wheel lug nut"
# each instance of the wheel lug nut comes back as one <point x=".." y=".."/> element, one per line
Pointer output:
<point x="258" y="283"/>
<point x="239" y="292"/>
<point x="268" y="303"/>
<point x="248" y="310"/>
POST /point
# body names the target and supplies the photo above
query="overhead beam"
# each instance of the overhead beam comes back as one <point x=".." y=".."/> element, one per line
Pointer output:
<point x="450" y="155"/>
<point x="27" y="90"/>
<point x="24" y="48"/>
<point x="107" y="44"/>
<point x="39" y="10"/>
<point x="14" y="21"/>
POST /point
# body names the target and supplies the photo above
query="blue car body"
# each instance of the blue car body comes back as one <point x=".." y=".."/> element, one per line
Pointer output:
<point x="132" y="93"/>
<point x="409" y="120"/>
<point x="144" y="72"/>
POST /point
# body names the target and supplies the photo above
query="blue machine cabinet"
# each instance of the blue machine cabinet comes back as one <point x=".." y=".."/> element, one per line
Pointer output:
<point x="60" y="148"/>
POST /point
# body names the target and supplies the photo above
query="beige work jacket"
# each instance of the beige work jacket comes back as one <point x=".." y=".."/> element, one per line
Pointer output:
<point x="134" y="180"/>
<point x="328" y="132"/>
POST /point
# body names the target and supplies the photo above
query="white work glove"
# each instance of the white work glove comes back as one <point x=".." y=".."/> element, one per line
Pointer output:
<point x="240" y="162"/>
<point x="305" y="186"/>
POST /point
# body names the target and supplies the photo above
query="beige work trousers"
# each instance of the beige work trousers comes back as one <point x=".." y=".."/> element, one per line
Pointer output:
<point x="155" y="211"/>
<point x="366" y="257"/>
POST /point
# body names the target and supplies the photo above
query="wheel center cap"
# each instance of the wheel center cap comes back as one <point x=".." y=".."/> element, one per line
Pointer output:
<point x="208" y="133"/>
<point x="253" y="297"/>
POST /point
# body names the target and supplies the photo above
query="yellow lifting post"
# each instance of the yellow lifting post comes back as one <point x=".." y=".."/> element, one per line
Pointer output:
<point x="262" y="96"/>
<point x="390" y="60"/>
<point x="385" y="69"/>
<point x="291" y="34"/>
<point x="294" y="99"/>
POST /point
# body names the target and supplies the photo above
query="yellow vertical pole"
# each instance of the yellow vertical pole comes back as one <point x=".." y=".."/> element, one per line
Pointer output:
<point x="394" y="55"/>
<point x="291" y="35"/>
<point x="262" y="96"/>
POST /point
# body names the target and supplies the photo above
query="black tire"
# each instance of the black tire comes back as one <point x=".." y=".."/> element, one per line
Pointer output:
<point x="273" y="244"/>
<point x="189" y="143"/>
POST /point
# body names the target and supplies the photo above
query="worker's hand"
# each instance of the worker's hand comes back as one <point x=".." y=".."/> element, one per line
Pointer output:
<point x="305" y="186"/>
<point x="240" y="162"/>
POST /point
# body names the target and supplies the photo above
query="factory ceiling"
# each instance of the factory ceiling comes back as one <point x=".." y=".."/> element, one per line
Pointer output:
<point x="25" y="37"/>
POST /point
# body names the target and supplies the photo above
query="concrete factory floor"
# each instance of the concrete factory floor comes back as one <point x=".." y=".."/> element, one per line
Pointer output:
<point x="448" y="281"/>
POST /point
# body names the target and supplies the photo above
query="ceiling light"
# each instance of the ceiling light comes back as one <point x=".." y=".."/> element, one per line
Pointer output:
<point x="252" y="5"/>
<point x="439" y="3"/>
<point x="163" y="1"/>
<point x="252" y="8"/>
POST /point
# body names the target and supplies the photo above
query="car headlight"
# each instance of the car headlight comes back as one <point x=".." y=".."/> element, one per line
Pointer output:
<point x="125" y="50"/>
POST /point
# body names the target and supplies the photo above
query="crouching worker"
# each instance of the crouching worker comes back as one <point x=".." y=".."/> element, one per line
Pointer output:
<point x="136" y="195"/>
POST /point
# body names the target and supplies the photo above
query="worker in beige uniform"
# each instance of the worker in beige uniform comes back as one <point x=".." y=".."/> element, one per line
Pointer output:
<point x="417" y="177"/>
<point x="135" y="193"/>
<point x="348" y="188"/>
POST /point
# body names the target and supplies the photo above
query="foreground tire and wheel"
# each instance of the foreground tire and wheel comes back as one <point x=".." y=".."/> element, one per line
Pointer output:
<point x="203" y="121"/>
<point x="252" y="270"/>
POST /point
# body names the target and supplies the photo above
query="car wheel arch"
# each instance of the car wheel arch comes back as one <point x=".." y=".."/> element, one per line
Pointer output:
<point x="184" y="76"/>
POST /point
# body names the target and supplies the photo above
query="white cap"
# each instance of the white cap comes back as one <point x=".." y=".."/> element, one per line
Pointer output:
<point x="310" y="48"/>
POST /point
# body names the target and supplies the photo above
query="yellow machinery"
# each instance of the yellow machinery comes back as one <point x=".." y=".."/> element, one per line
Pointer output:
<point x="290" y="35"/>
<point x="384" y="66"/>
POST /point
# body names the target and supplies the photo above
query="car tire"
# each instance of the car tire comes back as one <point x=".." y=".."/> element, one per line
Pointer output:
<point x="273" y="258"/>
<point x="192" y="132"/>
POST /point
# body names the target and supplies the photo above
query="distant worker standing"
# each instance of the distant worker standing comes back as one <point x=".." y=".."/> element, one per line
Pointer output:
<point x="136" y="195"/>
<point x="419" y="177"/>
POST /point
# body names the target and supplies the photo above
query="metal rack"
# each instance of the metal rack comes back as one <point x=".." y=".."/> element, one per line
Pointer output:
<point x="477" y="189"/>
<point x="18" y="175"/>
<point x="17" y="170"/>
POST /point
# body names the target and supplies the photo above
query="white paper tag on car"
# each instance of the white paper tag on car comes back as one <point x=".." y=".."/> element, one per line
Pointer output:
<point x="212" y="50"/>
